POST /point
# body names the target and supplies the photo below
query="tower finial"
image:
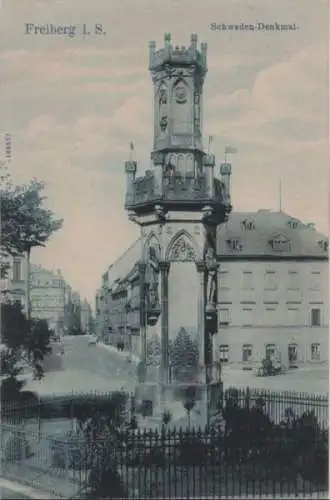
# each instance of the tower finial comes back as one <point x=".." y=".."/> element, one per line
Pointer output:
<point x="167" y="38"/>
<point x="193" y="39"/>
<point x="132" y="150"/>
<point x="280" y="196"/>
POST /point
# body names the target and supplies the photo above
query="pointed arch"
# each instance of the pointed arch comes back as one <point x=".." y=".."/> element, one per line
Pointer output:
<point x="180" y="91"/>
<point x="162" y="93"/>
<point x="182" y="247"/>
<point x="153" y="241"/>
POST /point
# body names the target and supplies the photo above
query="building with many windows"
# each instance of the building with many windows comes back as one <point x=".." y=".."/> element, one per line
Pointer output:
<point x="51" y="298"/>
<point x="272" y="290"/>
<point x="13" y="285"/>
<point x="48" y="292"/>
<point x="272" y="293"/>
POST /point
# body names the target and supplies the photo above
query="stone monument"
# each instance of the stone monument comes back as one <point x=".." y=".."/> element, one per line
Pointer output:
<point x="178" y="205"/>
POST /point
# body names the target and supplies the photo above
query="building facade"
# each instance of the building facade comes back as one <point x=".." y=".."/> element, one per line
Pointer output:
<point x="13" y="285"/>
<point x="272" y="293"/>
<point x="48" y="293"/>
<point x="51" y="297"/>
<point x="86" y="317"/>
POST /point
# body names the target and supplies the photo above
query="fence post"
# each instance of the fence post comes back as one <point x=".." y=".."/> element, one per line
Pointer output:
<point x="22" y="441"/>
<point x="39" y="417"/>
<point x="66" y="460"/>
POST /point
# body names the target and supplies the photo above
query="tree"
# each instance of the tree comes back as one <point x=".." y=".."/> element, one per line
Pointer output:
<point x="26" y="223"/>
<point x="24" y="342"/>
<point x="184" y="356"/>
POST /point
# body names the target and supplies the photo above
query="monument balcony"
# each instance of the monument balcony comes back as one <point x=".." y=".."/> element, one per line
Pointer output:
<point x="176" y="192"/>
<point x="178" y="55"/>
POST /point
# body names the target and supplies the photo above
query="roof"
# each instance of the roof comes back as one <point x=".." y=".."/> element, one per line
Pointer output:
<point x="122" y="266"/>
<point x="247" y="234"/>
<point x="267" y="233"/>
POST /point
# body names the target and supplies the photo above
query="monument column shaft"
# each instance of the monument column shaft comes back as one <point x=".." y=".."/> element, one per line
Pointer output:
<point x="201" y="317"/>
<point x="143" y="322"/>
<point x="164" y="269"/>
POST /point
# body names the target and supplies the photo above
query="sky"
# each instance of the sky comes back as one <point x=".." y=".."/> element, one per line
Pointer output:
<point x="73" y="105"/>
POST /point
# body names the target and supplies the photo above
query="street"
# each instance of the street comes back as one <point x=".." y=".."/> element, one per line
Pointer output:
<point x="86" y="368"/>
<point x="6" y="494"/>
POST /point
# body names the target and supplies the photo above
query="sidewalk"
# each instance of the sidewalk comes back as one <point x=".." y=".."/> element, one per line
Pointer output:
<point x="27" y="480"/>
<point x="122" y="354"/>
<point x="25" y="491"/>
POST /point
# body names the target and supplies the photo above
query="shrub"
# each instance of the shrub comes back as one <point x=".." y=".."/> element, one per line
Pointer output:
<point x="71" y="453"/>
<point x="16" y="447"/>
<point x="192" y="450"/>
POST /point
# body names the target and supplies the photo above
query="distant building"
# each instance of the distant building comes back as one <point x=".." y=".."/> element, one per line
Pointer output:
<point x="272" y="292"/>
<point x="86" y="317"/>
<point x="13" y="286"/>
<point x="51" y="298"/>
<point x="47" y="296"/>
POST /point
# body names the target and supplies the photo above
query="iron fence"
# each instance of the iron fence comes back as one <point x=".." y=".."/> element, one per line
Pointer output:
<point x="264" y="444"/>
<point x="173" y="463"/>
<point x="278" y="404"/>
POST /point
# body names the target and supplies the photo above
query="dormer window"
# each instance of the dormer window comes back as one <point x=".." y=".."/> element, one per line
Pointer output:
<point x="248" y="225"/>
<point x="293" y="224"/>
<point x="324" y="245"/>
<point x="280" y="243"/>
<point x="234" y="245"/>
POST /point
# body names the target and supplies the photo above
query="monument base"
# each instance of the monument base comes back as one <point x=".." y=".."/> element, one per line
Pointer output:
<point x="189" y="404"/>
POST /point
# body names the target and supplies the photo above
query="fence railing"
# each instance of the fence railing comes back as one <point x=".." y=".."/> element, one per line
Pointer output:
<point x="177" y="463"/>
<point x="265" y="443"/>
<point x="278" y="405"/>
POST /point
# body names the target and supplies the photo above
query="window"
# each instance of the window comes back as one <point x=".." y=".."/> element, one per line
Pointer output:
<point x="293" y="280"/>
<point x="224" y="317"/>
<point x="224" y="353"/>
<point x="248" y="225"/>
<point x="324" y="245"/>
<point x="316" y="317"/>
<point x="246" y="353"/>
<point x="270" y="280"/>
<point x="270" y="316"/>
<point x="292" y="353"/>
<point x="315" y="352"/>
<point x="223" y="279"/>
<point x="280" y="243"/>
<point x="270" y="350"/>
<point x="247" y="319"/>
<point x="16" y="270"/>
<point x="3" y="271"/>
<point x="293" y="316"/>
<point x="315" y="281"/>
<point x="247" y="280"/>
<point x="234" y="245"/>
<point x="293" y="224"/>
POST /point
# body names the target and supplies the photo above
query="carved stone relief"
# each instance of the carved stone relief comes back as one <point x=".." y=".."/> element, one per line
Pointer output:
<point x="163" y="123"/>
<point x="211" y="268"/>
<point x="163" y="96"/>
<point x="181" y="94"/>
<point x="182" y="251"/>
<point x="152" y="278"/>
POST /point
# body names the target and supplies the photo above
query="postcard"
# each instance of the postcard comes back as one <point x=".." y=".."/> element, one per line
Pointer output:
<point x="164" y="177"/>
